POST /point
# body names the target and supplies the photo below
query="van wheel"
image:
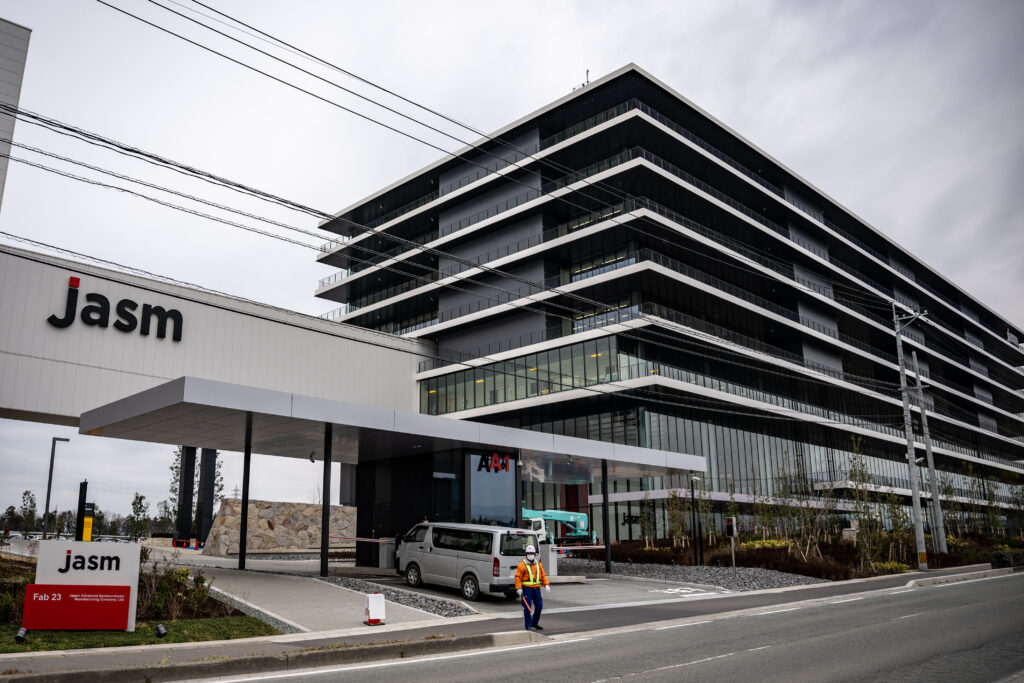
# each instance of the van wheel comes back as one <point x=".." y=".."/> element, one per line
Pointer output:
<point x="470" y="587"/>
<point x="412" y="575"/>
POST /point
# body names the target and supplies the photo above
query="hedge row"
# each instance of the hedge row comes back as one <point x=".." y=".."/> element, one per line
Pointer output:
<point x="1007" y="558"/>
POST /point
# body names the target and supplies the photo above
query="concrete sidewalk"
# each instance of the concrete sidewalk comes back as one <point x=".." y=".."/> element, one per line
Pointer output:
<point x="299" y="604"/>
<point x="286" y="593"/>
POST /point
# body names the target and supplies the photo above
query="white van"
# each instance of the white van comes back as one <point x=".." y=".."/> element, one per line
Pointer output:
<point x="471" y="557"/>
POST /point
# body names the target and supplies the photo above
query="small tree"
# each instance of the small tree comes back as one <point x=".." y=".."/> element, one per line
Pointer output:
<point x="648" y="520"/>
<point x="951" y="508"/>
<point x="11" y="520"/>
<point x="65" y="522"/>
<point x="976" y="499"/>
<point x="99" y="521"/>
<point x="991" y="506"/>
<point x="28" y="512"/>
<point x="762" y="509"/>
<point x="812" y="514"/>
<point x="138" y="521"/>
<point x="870" y="531"/>
<point x="163" y="522"/>
<point x="901" y="538"/>
<point x="704" y="510"/>
<point x="677" y="520"/>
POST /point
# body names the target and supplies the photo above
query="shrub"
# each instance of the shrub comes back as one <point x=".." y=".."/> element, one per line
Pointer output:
<point x="892" y="567"/>
<point x="170" y="593"/>
<point x="6" y="608"/>
<point x="634" y="551"/>
<point x="1007" y="558"/>
<point x="955" y="544"/>
<point x="769" y="543"/>
<point x="780" y="560"/>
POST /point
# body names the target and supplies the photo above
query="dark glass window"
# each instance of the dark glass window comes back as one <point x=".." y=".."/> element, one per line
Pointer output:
<point x="492" y="490"/>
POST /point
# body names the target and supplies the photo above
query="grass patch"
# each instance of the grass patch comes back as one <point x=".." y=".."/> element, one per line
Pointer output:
<point x="180" y="631"/>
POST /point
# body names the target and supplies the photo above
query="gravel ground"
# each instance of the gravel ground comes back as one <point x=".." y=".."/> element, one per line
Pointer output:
<point x="744" y="579"/>
<point x="444" y="608"/>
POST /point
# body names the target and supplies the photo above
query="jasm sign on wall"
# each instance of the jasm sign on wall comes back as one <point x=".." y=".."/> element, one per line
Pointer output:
<point x="97" y="313"/>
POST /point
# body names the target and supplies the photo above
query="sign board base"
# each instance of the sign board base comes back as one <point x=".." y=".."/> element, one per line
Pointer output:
<point x="55" y="607"/>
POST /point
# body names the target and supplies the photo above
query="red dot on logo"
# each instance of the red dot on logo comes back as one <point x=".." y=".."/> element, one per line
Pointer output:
<point x="69" y="552"/>
<point x="73" y="282"/>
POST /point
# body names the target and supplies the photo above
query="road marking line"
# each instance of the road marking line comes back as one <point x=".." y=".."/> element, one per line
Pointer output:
<point x="907" y="616"/>
<point x="838" y="602"/>
<point x="666" y="668"/>
<point x="755" y="649"/>
<point x="662" y="628"/>
<point x="402" y="662"/>
<point x="960" y="583"/>
<point x="909" y="590"/>
<point x="791" y="609"/>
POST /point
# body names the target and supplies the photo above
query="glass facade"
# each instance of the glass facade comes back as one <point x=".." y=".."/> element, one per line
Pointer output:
<point x="746" y="458"/>
<point x="568" y="367"/>
<point x="610" y="359"/>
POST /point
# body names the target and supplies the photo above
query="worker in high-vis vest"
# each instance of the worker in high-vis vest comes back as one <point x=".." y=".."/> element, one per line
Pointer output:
<point x="530" y="577"/>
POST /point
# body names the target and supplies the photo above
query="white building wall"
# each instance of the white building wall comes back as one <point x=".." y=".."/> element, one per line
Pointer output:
<point x="54" y="374"/>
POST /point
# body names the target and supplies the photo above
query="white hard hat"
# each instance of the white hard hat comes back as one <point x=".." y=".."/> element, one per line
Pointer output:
<point x="531" y="549"/>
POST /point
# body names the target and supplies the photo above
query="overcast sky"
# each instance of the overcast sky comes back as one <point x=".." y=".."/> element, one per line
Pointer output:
<point x="908" y="113"/>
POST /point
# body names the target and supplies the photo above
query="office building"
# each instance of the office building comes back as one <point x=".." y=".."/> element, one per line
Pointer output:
<point x="621" y="266"/>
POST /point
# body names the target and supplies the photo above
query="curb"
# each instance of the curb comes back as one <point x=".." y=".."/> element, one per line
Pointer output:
<point x="568" y="578"/>
<point x="301" y="659"/>
<point x="954" y="578"/>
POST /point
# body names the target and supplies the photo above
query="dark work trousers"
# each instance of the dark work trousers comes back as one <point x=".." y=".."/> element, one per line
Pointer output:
<point x="531" y="594"/>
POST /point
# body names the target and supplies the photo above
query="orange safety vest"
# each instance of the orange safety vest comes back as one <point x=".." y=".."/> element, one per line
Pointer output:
<point x="530" y="575"/>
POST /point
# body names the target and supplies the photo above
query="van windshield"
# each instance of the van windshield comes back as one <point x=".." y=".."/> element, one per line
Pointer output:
<point x="515" y="544"/>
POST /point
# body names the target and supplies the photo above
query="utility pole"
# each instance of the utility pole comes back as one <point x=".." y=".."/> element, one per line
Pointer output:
<point x="938" y="527"/>
<point x="915" y="492"/>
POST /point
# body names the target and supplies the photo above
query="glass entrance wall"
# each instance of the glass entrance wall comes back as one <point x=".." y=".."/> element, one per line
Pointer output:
<point x="449" y="482"/>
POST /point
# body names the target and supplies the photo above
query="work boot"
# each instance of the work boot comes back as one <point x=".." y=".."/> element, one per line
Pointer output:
<point x="538" y="628"/>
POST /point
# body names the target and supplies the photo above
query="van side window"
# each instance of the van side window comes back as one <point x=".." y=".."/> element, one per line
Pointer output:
<point x="480" y="542"/>
<point x="462" y="540"/>
<point x="416" y="535"/>
<point x="450" y="539"/>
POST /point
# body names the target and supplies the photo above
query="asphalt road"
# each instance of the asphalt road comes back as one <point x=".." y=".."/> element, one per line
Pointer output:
<point x="964" y="632"/>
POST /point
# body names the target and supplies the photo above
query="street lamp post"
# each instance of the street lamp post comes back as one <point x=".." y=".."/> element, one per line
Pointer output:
<point x="49" y="483"/>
